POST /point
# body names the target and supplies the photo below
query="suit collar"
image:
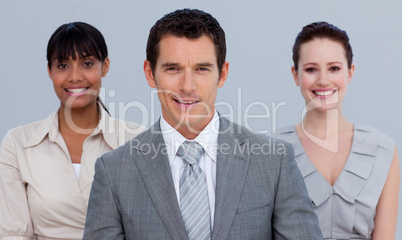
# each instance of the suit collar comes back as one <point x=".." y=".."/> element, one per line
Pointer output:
<point x="231" y="172"/>
<point x="153" y="166"/>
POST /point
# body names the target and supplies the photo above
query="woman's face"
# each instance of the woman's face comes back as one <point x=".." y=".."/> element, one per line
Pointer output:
<point x="323" y="74"/>
<point x="77" y="82"/>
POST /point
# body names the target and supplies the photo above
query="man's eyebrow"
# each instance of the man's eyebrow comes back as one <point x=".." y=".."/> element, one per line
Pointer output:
<point x="205" y="64"/>
<point x="169" y="64"/>
<point x="173" y="64"/>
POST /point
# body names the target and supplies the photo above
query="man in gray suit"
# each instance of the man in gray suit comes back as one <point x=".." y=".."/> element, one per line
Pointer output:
<point x="195" y="174"/>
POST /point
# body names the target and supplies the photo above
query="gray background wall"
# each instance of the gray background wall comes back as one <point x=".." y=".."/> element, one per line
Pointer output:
<point x="260" y="35"/>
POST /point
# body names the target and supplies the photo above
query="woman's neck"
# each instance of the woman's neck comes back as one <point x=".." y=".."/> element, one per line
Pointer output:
<point x="78" y="120"/>
<point x="325" y="128"/>
<point x="327" y="123"/>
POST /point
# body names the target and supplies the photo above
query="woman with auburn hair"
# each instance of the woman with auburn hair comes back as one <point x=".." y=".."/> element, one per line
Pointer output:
<point x="351" y="171"/>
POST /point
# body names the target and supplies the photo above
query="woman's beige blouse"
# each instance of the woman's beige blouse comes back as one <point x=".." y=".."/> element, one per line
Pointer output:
<point x="40" y="194"/>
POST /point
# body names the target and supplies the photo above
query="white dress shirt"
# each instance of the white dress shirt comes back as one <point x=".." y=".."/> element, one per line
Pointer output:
<point x="208" y="139"/>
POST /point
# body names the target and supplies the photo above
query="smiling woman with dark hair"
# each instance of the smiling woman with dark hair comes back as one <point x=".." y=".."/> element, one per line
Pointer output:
<point x="47" y="167"/>
<point x="351" y="171"/>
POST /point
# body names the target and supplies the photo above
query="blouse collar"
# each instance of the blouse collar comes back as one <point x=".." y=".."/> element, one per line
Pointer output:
<point x="50" y="127"/>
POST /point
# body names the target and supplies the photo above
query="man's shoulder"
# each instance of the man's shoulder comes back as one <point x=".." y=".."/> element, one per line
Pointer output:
<point x="241" y="132"/>
<point x="132" y="147"/>
<point x="243" y="140"/>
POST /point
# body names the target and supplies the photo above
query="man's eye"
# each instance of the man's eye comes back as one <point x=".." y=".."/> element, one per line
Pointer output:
<point x="202" y="69"/>
<point x="172" y="69"/>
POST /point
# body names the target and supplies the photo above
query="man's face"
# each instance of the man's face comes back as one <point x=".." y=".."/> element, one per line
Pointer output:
<point x="187" y="78"/>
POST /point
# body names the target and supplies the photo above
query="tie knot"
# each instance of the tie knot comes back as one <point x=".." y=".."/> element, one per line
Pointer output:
<point x="191" y="152"/>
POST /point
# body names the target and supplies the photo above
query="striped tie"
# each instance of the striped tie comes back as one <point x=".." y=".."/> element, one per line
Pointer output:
<point x="194" y="202"/>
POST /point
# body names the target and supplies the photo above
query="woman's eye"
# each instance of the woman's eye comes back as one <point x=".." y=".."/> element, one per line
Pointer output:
<point x="310" y="69"/>
<point x="334" y="68"/>
<point x="61" y="66"/>
<point x="88" y="64"/>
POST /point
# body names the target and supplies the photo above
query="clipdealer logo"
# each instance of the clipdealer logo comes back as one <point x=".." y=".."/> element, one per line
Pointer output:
<point x="238" y="112"/>
<point x="330" y="144"/>
<point x="271" y="147"/>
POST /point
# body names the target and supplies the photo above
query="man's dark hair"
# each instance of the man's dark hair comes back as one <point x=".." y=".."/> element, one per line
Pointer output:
<point x="189" y="23"/>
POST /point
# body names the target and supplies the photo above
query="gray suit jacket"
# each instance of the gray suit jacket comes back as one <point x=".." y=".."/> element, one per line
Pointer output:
<point x="260" y="193"/>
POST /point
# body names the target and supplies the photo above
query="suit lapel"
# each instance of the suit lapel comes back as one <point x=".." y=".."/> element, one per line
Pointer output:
<point x="155" y="171"/>
<point x="231" y="172"/>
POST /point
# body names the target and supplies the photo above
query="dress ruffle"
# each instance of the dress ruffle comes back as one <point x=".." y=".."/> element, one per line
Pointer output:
<point x="347" y="209"/>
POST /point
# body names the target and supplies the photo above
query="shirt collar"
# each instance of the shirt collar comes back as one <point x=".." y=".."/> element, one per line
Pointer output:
<point x="208" y="138"/>
<point x="50" y="127"/>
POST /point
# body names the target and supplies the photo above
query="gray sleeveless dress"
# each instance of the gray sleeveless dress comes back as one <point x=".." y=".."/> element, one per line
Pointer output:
<point x="347" y="209"/>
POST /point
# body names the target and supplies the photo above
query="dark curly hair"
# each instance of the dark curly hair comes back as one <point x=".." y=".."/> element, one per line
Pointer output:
<point x="320" y="30"/>
<point x="189" y="23"/>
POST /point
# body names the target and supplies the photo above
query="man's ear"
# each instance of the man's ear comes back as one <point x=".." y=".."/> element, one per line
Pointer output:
<point x="149" y="75"/>
<point x="224" y="74"/>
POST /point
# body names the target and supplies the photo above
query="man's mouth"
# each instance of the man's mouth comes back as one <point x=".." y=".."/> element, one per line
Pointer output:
<point x="186" y="103"/>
